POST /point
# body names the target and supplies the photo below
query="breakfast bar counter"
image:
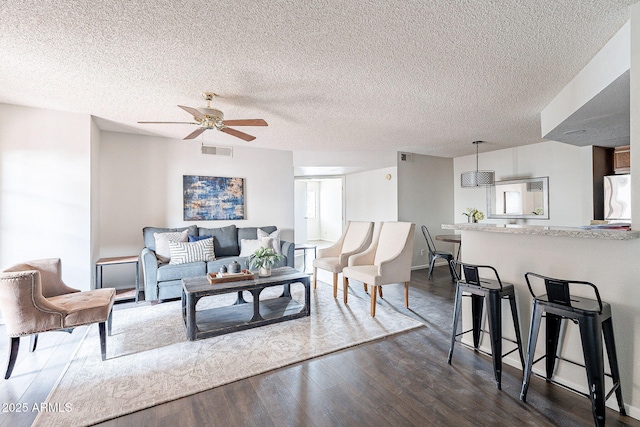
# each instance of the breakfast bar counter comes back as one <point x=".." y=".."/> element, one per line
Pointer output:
<point x="606" y="257"/>
<point x="538" y="230"/>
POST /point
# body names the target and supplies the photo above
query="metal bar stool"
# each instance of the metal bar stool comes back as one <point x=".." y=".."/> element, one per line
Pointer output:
<point x="594" y="319"/>
<point x="493" y="291"/>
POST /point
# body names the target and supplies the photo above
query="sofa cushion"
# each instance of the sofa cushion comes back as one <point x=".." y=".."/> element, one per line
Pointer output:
<point x="177" y="272"/>
<point x="251" y="233"/>
<point x="225" y="242"/>
<point x="163" y="240"/>
<point x="150" y="241"/>
<point x="185" y="252"/>
<point x="85" y="307"/>
<point x="247" y="247"/>
<point x="275" y="239"/>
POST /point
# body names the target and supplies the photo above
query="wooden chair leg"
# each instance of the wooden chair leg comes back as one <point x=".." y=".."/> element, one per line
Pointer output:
<point x="315" y="277"/>
<point x="380" y="291"/>
<point x="13" y="355"/>
<point x="364" y="285"/>
<point x="345" y="288"/>
<point x="374" y="293"/>
<point x="103" y="340"/>
<point x="335" y="285"/>
<point x="406" y="294"/>
<point x="33" y="342"/>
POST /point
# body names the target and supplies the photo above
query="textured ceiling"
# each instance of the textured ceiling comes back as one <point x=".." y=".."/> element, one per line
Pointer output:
<point x="413" y="75"/>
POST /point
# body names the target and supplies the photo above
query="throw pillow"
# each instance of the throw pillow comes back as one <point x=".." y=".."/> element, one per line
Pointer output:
<point x="162" y="243"/>
<point x="185" y="252"/>
<point x="225" y="239"/>
<point x="247" y="247"/>
<point x="197" y="238"/>
<point x="275" y="239"/>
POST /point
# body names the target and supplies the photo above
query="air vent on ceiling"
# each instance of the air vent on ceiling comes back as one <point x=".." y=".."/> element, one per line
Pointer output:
<point x="406" y="157"/>
<point x="217" y="151"/>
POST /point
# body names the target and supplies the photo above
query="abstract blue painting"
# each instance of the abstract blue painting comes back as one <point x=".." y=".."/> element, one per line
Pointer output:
<point x="212" y="198"/>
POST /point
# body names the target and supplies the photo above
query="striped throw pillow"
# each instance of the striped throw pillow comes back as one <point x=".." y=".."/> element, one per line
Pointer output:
<point x="184" y="252"/>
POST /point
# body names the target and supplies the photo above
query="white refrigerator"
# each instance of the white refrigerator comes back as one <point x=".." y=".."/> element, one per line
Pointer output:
<point x="617" y="197"/>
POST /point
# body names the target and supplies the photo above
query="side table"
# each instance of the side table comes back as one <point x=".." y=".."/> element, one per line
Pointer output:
<point x="115" y="261"/>
<point x="304" y="248"/>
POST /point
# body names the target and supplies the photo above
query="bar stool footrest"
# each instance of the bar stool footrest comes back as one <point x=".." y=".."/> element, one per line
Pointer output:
<point x="487" y="332"/>
<point x="568" y="361"/>
<point x="486" y="353"/>
<point x="552" y="381"/>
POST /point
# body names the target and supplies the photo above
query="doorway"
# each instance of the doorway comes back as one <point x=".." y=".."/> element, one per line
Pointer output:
<point x="318" y="211"/>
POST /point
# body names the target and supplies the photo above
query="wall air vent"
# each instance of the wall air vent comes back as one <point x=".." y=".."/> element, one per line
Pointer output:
<point x="217" y="151"/>
<point x="406" y="157"/>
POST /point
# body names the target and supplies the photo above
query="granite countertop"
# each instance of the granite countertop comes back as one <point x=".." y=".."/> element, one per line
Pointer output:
<point x="539" y="230"/>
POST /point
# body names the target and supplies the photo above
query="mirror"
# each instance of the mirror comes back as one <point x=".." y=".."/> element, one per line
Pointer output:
<point x="519" y="198"/>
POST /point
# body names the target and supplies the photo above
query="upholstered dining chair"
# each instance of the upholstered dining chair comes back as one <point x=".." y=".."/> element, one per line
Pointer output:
<point x="434" y="254"/>
<point x="386" y="261"/>
<point x="355" y="239"/>
<point x="34" y="299"/>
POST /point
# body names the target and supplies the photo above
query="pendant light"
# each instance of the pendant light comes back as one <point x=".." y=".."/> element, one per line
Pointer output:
<point x="477" y="178"/>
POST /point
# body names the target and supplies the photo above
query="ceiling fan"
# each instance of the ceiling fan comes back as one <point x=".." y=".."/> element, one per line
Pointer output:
<point x="212" y="118"/>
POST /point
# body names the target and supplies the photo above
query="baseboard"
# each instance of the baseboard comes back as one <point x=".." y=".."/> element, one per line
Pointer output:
<point x="632" y="411"/>
<point x="439" y="262"/>
<point x="611" y="403"/>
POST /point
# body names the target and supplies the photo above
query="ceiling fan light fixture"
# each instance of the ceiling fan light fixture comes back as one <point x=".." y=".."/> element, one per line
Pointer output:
<point x="212" y="118"/>
<point x="477" y="178"/>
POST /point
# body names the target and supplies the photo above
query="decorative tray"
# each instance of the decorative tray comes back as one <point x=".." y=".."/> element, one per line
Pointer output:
<point x="215" y="278"/>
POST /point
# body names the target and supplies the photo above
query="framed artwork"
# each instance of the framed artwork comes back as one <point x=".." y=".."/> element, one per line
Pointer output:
<point x="208" y="198"/>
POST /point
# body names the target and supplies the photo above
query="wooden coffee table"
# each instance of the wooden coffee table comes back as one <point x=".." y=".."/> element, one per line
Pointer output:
<point x="242" y="315"/>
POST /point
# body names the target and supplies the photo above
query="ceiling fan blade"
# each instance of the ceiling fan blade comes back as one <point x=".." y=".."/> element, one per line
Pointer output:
<point x="170" y="123"/>
<point x="238" y="134"/>
<point x="195" y="113"/>
<point x="245" y="122"/>
<point x="195" y="133"/>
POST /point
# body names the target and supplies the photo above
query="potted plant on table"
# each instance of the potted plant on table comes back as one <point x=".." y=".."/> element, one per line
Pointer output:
<point x="263" y="259"/>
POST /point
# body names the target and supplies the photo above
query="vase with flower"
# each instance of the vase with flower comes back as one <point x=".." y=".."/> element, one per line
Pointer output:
<point x="473" y="215"/>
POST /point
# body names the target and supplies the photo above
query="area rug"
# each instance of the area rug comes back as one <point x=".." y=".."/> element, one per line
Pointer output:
<point x="149" y="361"/>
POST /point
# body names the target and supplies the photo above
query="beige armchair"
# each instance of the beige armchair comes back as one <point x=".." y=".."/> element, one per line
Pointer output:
<point x="34" y="299"/>
<point x="356" y="238"/>
<point x="386" y="261"/>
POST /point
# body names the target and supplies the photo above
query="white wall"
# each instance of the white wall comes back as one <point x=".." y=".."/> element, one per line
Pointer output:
<point x="314" y="229"/>
<point x="300" y="211"/>
<point x="425" y="197"/>
<point x="141" y="185"/>
<point x="309" y="163"/>
<point x="568" y="167"/>
<point x="610" y="63"/>
<point x="45" y="189"/>
<point x="370" y="196"/>
<point x="635" y="115"/>
<point x="331" y="223"/>
<point x="95" y="193"/>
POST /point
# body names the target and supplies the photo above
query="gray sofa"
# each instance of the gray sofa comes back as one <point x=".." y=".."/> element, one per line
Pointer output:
<point x="164" y="281"/>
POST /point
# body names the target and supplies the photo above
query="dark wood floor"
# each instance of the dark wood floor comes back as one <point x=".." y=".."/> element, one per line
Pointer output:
<point x="402" y="380"/>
